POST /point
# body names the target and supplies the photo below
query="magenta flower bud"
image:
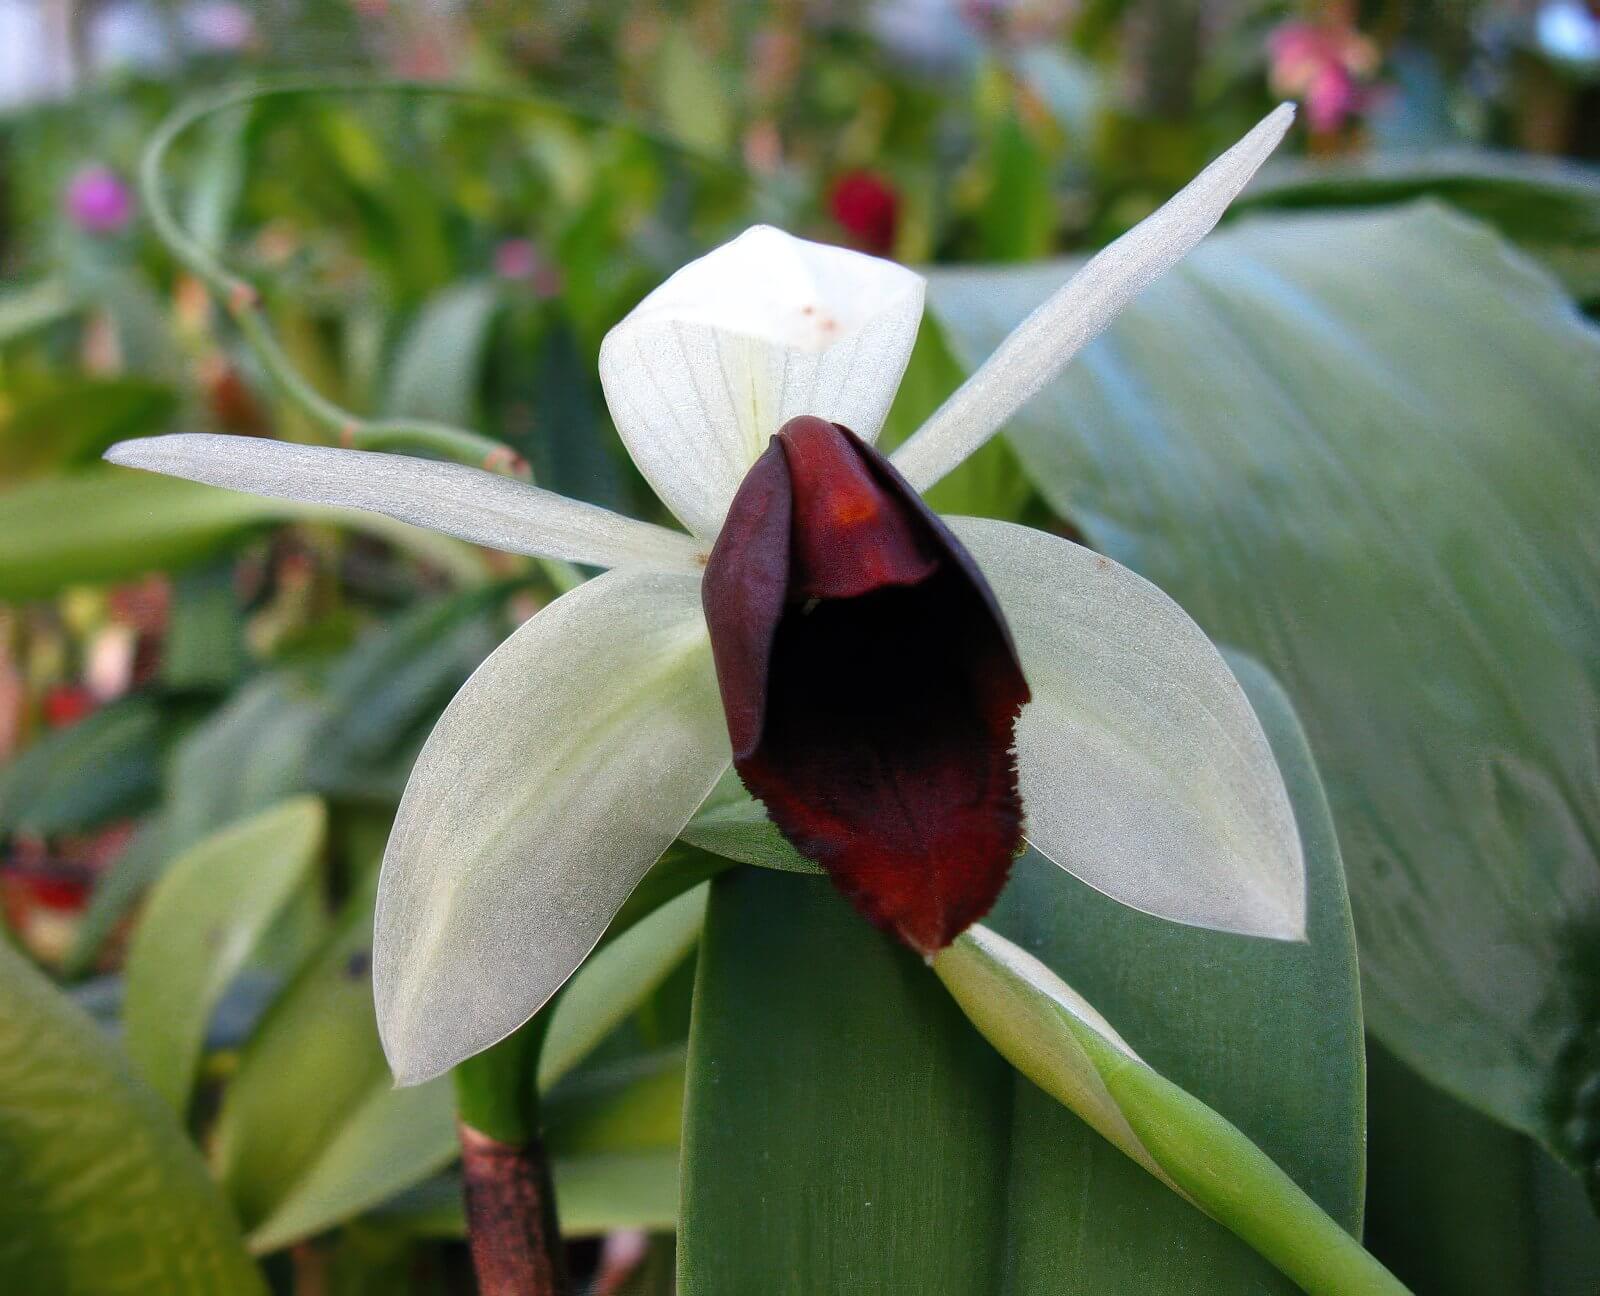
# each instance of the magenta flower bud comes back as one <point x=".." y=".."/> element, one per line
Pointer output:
<point x="98" y="202"/>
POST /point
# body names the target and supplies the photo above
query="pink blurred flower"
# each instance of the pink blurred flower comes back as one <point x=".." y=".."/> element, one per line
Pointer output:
<point x="1325" y="64"/>
<point x="98" y="201"/>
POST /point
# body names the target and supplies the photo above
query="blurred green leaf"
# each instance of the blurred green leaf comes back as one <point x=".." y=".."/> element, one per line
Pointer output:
<point x="438" y="366"/>
<point x="1361" y="446"/>
<point x="204" y="645"/>
<point x="202" y="920"/>
<point x="384" y="695"/>
<point x="103" y="766"/>
<point x="77" y="420"/>
<point x="692" y="98"/>
<point x="122" y="524"/>
<point x="125" y="523"/>
<point x="36" y="306"/>
<point x="1548" y="206"/>
<point x="104" y="1194"/>
<point x="313" y="1132"/>
<point x="244" y="757"/>
<point x="988" y="1174"/>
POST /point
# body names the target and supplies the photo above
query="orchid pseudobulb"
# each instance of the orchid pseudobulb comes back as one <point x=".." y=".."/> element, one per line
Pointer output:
<point x="911" y="697"/>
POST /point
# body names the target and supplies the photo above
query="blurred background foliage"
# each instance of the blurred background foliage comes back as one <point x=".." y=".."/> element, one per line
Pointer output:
<point x="209" y="702"/>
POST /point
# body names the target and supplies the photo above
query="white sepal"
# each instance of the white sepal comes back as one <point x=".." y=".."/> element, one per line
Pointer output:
<point x="1144" y="771"/>
<point x="559" y="774"/>
<point x="470" y="503"/>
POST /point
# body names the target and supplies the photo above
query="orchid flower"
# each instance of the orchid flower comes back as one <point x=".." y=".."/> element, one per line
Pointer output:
<point x="909" y="696"/>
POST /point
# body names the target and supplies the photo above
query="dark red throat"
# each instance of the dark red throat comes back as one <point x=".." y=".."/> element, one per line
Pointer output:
<point x="870" y="683"/>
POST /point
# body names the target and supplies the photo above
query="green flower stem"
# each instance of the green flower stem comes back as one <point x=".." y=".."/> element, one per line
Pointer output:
<point x="510" y="1200"/>
<point x="1056" y="1039"/>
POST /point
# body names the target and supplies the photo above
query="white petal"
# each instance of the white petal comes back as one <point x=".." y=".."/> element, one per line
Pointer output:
<point x="475" y="505"/>
<point x="558" y="775"/>
<point x="1144" y="771"/>
<point x="1040" y="347"/>
<point x="707" y="367"/>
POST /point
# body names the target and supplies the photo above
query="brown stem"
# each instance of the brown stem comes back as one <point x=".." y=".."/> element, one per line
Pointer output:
<point x="511" y="1217"/>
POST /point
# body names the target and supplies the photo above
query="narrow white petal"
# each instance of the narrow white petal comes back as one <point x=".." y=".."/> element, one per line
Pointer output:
<point x="707" y="367"/>
<point x="558" y="775"/>
<point x="1144" y="771"/>
<point x="470" y="503"/>
<point x="1040" y="347"/>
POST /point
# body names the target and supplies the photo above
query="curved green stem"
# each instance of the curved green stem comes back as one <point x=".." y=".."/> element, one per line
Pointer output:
<point x="243" y="302"/>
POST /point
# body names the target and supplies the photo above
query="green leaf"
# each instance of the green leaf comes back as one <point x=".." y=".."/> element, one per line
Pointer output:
<point x="126" y="523"/>
<point x="615" y="980"/>
<point x="1548" y="206"/>
<point x="123" y="524"/>
<point x="692" y="99"/>
<point x="312" y="1131"/>
<point x="733" y="824"/>
<point x="249" y="754"/>
<point x="79" y="419"/>
<point x="36" y="306"/>
<point x="1360" y="446"/>
<point x="103" y="1195"/>
<point x="75" y="778"/>
<point x="844" y="1128"/>
<point x="1458" y="1203"/>
<point x="815" y="1040"/>
<point x="385" y="694"/>
<point x="393" y="1139"/>
<point x="439" y="363"/>
<point x="201" y="923"/>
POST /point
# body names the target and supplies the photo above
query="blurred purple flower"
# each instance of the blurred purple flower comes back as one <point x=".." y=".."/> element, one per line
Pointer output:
<point x="98" y="201"/>
<point x="1325" y="64"/>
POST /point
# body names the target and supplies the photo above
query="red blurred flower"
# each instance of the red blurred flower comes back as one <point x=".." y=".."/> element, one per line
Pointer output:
<point x="65" y="704"/>
<point x="867" y="207"/>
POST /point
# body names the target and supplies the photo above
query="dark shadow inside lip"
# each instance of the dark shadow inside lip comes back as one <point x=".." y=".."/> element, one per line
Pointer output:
<point x="878" y="727"/>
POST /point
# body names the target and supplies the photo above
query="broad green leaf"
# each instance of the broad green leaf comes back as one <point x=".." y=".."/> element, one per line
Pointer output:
<point x="1361" y="446"/>
<point x="126" y="523"/>
<point x="691" y="96"/>
<point x="1548" y="206"/>
<point x="202" y="921"/>
<point x="1458" y="1203"/>
<point x="103" y="766"/>
<point x="312" y="1131"/>
<point x="103" y="1193"/>
<point x="439" y="363"/>
<point x="844" y="1128"/>
<point x="814" y="1040"/>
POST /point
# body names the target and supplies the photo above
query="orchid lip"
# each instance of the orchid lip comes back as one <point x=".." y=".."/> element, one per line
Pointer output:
<point x="869" y="683"/>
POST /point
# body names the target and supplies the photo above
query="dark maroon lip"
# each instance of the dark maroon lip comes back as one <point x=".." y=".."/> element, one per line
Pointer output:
<point x="869" y="681"/>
